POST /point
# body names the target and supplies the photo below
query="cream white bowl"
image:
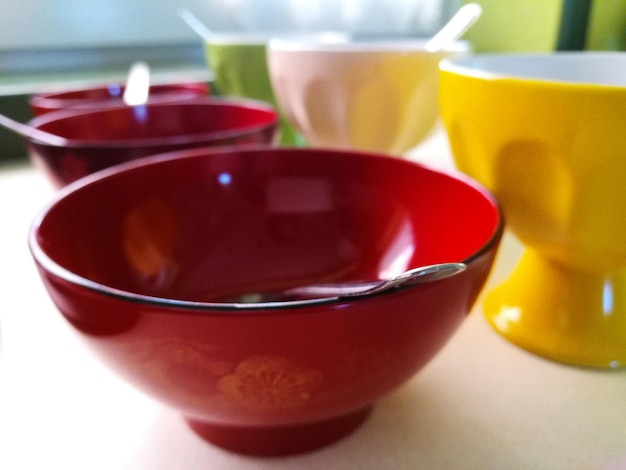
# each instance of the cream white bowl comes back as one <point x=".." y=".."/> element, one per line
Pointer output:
<point x="376" y="95"/>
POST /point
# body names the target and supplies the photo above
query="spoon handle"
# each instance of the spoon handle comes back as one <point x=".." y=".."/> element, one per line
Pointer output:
<point x="463" y="19"/>
<point x="137" y="89"/>
<point x="419" y="275"/>
<point x="32" y="133"/>
<point x="314" y="293"/>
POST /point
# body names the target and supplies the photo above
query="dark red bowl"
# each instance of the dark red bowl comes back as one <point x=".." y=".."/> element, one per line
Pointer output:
<point x="111" y="95"/>
<point x="101" y="138"/>
<point x="141" y="257"/>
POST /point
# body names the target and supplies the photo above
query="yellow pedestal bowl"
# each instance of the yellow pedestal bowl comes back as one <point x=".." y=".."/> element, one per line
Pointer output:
<point x="547" y="134"/>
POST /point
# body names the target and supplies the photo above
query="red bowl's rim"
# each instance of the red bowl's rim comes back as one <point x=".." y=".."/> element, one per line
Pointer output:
<point x="55" y="269"/>
<point x="198" y="138"/>
<point x="58" y="100"/>
<point x="61" y="93"/>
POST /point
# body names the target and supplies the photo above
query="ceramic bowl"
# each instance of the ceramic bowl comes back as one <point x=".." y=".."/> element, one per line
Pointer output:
<point x="104" y="137"/>
<point x="157" y="278"/>
<point x="374" y="95"/>
<point x="546" y="134"/>
<point x="111" y="95"/>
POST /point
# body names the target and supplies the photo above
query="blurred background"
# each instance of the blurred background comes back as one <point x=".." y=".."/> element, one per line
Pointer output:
<point x="46" y="44"/>
<point x="46" y="36"/>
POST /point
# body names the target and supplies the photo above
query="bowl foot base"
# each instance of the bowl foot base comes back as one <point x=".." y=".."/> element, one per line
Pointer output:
<point x="561" y="313"/>
<point x="279" y="440"/>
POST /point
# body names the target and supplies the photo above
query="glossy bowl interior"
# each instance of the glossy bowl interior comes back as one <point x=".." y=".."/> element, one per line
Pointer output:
<point x="148" y="277"/>
<point x="101" y="138"/>
<point x="111" y="95"/>
<point x="545" y="133"/>
<point x="374" y="95"/>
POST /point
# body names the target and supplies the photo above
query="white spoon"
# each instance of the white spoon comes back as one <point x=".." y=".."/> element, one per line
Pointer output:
<point x="455" y="28"/>
<point x="32" y="133"/>
<point x="137" y="87"/>
<point x="195" y="24"/>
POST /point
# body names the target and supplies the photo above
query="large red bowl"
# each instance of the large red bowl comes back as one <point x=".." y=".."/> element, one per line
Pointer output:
<point x="139" y="259"/>
<point x="101" y="138"/>
<point x="111" y="95"/>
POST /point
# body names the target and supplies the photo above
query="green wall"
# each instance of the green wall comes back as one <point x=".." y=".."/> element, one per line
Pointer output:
<point x="532" y="26"/>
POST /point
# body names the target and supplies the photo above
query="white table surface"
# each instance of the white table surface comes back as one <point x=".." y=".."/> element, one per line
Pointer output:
<point x="482" y="403"/>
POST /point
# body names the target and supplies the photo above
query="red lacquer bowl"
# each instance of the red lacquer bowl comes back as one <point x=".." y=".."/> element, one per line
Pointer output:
<point x="104" y="137"/>
<point x="111" y="95"/>
<point x="143" y="258"/>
